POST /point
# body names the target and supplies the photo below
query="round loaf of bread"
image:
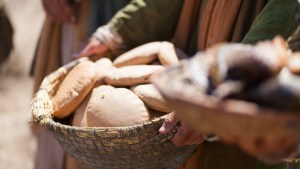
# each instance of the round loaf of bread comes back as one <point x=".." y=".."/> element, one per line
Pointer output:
<point x="79" y="118"/>
<point x="103" y="66"/>
<point x="151" y="97"/>
<point x="74" y="88"/>
<point x="168" y="54"/>
<point x="143" y="54"/>
<point x="111" y="107"/>
<point x="131" y="75"/>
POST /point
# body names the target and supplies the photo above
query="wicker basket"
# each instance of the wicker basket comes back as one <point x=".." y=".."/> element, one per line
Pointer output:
<point x="138" y="146"/>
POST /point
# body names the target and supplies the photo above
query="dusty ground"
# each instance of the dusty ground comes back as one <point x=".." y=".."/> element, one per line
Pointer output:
<point x="17" y="145"/>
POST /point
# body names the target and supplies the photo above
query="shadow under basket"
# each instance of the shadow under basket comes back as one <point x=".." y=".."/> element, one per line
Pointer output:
<point x="138" y="146"/>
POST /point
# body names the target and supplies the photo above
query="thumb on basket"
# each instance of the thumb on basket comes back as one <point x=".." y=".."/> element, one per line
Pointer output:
<point x="184" y="135"/>
<point x="169" y="123"/>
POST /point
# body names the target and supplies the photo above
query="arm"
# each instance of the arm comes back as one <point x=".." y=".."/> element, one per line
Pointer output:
<point x="144" y="21"/>
<point x="60" y="10"/>
<point x="277" y="18"/>
<point x="139" y="22"/>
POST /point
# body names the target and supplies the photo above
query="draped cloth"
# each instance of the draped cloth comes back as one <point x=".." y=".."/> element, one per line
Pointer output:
<point x="216" y="21"/>
<point x="48" y="52"/>
<point x="54" y="49"/>
<point x="56" y="45"/>
<point x="51" y="52"/>
<point x="49" y="153"/>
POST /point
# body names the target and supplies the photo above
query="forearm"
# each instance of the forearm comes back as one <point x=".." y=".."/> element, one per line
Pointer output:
<point x="144" y="21"/>
<point x="277" y="18"/>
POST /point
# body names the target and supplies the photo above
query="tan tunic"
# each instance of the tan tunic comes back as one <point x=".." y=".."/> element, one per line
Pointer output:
<point x="49" y="58"/>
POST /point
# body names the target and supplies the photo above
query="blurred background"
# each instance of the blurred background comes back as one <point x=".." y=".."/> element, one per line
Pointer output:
<point x="17" y="145"/>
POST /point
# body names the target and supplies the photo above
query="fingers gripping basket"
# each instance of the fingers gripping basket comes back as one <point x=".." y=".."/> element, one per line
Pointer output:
<point x="138" y="146"/>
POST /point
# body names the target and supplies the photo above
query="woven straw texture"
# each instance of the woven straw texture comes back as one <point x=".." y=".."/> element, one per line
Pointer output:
<point x="139" y="146"/>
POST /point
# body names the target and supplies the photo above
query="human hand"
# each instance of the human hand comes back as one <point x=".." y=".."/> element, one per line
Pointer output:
<point x="184" y="135"/>
<point x="60" y="10"/>
<point x="93" y="47"/>
<point x="265" y="149"/>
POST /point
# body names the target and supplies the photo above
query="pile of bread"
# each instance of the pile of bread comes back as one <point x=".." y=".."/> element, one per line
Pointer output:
<point x="118" y="93"/>
<point x="266" y="73"/>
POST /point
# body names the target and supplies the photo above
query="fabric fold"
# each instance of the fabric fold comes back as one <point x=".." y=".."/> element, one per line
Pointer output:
<point x="186" y="23"/>
<point x="221" y="23"/>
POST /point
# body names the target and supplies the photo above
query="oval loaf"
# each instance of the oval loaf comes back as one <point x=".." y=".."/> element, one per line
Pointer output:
<point x="143" y="54"/>
<point x="74" y="88"/>
<point x="168" y="54"/>
<point x="131" y="75"/>
<point x="151" y="97"/>
<point x="103" y="66"/>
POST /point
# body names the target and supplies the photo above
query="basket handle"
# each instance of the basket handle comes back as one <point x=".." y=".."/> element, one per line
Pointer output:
<point x="41" y="107"/>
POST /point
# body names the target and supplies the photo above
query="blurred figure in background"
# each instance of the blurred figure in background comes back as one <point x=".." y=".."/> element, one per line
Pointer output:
<point x="6" y="34"/>
<point x="68" y="25"/>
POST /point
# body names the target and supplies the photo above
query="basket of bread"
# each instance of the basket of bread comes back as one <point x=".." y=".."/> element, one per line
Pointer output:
<point x="106" y="114"/>
<point x="243" y="90"/>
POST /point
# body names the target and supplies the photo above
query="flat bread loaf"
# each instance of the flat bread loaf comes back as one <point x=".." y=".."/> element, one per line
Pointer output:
<point x="143" y="54"/>
<point x="151" y="97"/>
<point x="168" y="54"/>
<point x="131" y="75"/>
<point x="112" y="107"/>
<point x="103" y="65"/>
<point x="74" y="88"/>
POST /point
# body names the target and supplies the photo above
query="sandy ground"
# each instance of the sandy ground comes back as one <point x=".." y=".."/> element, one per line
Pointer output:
<point x="17" y="145"/>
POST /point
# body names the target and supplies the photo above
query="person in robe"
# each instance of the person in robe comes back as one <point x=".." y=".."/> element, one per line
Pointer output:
<point x="67" y="26"/>
<point x="195" y="25"/>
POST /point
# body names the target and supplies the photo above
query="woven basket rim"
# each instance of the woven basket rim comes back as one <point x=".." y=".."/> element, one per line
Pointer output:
<point x="156" y="120"/>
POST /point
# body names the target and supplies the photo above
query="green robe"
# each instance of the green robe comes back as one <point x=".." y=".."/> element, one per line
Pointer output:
<point x="144" y="21"/>
<point x="155" y="20"/>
